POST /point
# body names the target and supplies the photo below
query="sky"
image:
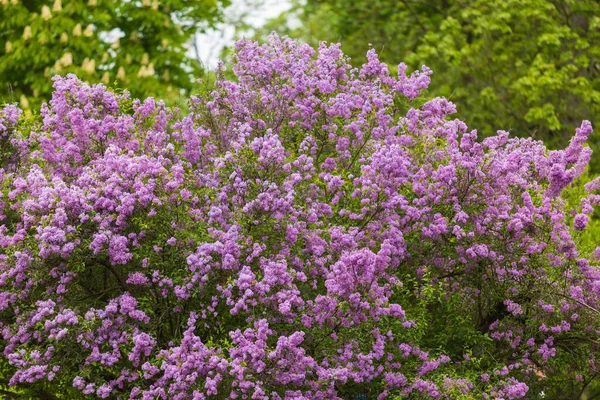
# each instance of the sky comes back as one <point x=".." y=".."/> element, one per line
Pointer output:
<point x="253" y="12"/>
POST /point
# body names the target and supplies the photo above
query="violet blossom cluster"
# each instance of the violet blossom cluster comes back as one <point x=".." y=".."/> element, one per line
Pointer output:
<point x="286" y="238"/>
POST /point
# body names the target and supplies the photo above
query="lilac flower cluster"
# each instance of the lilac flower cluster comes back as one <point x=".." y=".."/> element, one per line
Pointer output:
<point x="278" y="241"/>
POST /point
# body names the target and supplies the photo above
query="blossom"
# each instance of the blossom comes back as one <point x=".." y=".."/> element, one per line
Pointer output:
<point x="66" y="59"/>
<point x="580" y="222"/>
<point x="27" y="34"/>
<point x="88" y="32"/>
<point x="77" y="30"/>
<point x="46" y="14"/>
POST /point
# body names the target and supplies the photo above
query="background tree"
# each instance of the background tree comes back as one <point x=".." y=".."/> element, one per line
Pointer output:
<point x="307" y="230"/>
<point x="531" y="66"/>
<point x="139" y="44"/>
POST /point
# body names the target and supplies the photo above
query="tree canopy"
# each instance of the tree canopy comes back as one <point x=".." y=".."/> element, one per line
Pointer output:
<point x="140" y="45"/>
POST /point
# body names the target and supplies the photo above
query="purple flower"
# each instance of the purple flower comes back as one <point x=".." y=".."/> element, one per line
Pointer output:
<point x="580" y="222"/>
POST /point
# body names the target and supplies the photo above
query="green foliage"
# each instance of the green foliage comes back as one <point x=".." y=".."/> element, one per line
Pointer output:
<point x="135" y="44"/>
<point x="528" y="66"/>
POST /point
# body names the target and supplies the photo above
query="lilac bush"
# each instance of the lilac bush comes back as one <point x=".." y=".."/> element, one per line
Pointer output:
<point x="307" y="230"/>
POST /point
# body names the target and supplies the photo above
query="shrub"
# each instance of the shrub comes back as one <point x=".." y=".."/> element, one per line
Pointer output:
<point x="308" y="231"/>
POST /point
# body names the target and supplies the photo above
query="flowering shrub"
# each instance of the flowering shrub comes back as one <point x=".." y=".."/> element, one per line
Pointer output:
<point x="307" y="231"/>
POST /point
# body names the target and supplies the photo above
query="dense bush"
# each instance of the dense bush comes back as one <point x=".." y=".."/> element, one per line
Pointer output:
<point x="308" y="231"/>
